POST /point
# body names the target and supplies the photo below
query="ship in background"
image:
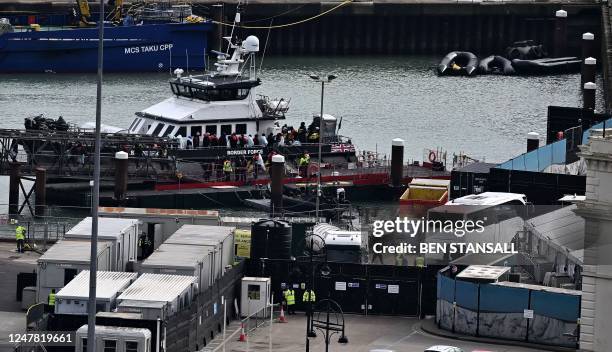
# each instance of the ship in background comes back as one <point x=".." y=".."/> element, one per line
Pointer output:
<point x="150" y="37"/>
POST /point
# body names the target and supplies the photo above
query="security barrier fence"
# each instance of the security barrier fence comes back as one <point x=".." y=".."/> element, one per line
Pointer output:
<point x="358" y="288"/>
<point x="518" y="312"/>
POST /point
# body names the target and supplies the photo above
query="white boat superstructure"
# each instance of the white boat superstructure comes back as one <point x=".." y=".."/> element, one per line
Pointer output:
<point x="219" y="103"/>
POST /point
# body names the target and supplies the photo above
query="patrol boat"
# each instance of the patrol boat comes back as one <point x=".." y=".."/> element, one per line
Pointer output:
<point x="219" y="102"/>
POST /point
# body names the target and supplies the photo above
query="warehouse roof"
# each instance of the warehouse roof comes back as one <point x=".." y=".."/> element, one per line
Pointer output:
<point x="72" y="251"/>
<point x="107" y="227"/>
<point x="177" y="256"/>
<point x="562" y="229"/>
<point x="108" y="283"/>
<point x="157" y="287"/>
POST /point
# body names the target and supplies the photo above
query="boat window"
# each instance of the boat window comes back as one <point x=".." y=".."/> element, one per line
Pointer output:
<point x="182" y="131"/>
<point x="110" y="345"/>
<point x="168" y="130"/>
<point x="158" y="129"/>
<point x="211" y="129"/>
<point x="226" y="129"/>
<point x="195" y="130"/>
<point x="241" y="128"/>
<point x="131" y="346"/>
<point x="139" y="125"/>
<point x="208" y="93"/>
<point x="133" y="124"/>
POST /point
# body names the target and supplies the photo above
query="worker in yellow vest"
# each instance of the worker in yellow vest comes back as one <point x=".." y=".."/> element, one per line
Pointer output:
<point x="20" y="237"/>
<point x="289" y="295"/>
<point x="309" y="296"/>
<point x="303" y="163"/>
<point x="51" y="300"/>
<point x="227" y="169"/>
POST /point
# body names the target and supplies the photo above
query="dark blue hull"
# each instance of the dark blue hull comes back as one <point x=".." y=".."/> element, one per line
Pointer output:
<point x="145" y="48"/>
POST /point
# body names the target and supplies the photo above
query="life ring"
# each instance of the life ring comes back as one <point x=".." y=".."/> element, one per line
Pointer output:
<point x="432" y="156"/>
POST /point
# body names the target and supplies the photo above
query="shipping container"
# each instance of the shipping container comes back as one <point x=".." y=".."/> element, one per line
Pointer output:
<point x="158" y="295"/>
<point x="73" y="298"/>
<point x="223" y="234"/>
<point x="114" y="338"/>
<point x="64" y="260"/>
<point x="179" y="259"/>
<point x="159" y="224"/>
<point x="122" y="232"/>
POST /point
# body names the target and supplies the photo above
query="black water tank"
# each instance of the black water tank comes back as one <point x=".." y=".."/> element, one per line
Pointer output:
<point x="271" y="239"/>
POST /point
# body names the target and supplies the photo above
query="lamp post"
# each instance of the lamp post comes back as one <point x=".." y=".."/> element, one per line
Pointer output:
<point x="324" y="80"/>
<point x="309" y="329"/>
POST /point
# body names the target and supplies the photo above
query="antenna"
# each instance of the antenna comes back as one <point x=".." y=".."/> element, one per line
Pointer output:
<point x="170" y="69"/>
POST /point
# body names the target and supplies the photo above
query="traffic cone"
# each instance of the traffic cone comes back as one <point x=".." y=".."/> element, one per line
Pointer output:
<point x="243" y="335"/>
<point x="282" y="318"/>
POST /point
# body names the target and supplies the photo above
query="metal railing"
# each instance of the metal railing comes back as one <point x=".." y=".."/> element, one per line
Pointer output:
<point x="263" y="317"/>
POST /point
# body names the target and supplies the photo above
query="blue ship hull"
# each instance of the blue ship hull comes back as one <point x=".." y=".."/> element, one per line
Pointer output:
<point x="144" y="48"/>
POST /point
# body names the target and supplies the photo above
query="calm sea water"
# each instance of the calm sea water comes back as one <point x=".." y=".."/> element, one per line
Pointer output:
<point x="379" y="98"/>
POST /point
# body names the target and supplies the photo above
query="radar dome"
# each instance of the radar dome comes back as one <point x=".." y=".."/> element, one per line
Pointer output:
<point x="251" y="44"/>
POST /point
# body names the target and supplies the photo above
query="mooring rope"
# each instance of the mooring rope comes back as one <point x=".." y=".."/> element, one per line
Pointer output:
<point x="346" y="2"/>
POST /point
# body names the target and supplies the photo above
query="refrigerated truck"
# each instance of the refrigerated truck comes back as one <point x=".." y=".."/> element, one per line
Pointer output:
<point x="123" y="233"/>
<point x="64" y="260"/>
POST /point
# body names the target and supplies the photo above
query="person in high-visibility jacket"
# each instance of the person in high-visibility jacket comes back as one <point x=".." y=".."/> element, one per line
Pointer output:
<point x="227" y="169"/>
<point x="51" y="300"/>
<point x="289" y="295"/>
<point x="20" y="237"/>
<point x="303" y="163"/>
<point x="309" y="296"/>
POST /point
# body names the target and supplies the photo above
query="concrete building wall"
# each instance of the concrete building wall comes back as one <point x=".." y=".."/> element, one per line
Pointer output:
<point x="597" y="276"/>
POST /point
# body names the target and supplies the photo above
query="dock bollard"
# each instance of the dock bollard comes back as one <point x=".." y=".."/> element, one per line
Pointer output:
<point x="588" y="41"/>
<point x="533" y="141"/>
<point x="14" y="177"/>
<point x="560" y="39"/>
<point x="588" y="96"/>
<point x="277" y="173"/>
<point x="41" y="192"/>
<point x="589" y="68"/>
<point x="121" y="175"/>
<point x="397" y="162"/>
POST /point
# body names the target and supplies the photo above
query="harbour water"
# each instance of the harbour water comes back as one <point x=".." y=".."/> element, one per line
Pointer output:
<point x="379" y="98"/>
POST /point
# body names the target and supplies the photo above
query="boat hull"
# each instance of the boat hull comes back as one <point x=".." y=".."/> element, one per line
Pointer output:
<point x="145" y="48"/>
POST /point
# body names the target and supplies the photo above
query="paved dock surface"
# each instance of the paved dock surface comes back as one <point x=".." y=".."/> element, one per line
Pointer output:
<point x="397" y="334"/>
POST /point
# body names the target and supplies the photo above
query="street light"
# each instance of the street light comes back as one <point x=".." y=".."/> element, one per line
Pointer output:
<point x="328" y="79"/>
<point x="325" y="270"/>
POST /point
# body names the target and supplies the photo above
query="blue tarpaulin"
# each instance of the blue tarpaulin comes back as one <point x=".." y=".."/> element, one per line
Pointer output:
<point x="466" y="295"/>
<point x="500" y="299"/>
<point x="539" y="159"/>
<point x="556" y="305"/>
<point x="446" y="288"/>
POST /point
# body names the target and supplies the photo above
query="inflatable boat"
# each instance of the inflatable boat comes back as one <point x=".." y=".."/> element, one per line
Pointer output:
<point x="547" y="66"/>
<point x="525" y="50"/>
<point x="495" y="64"/>
<point x="458" y="63"/>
